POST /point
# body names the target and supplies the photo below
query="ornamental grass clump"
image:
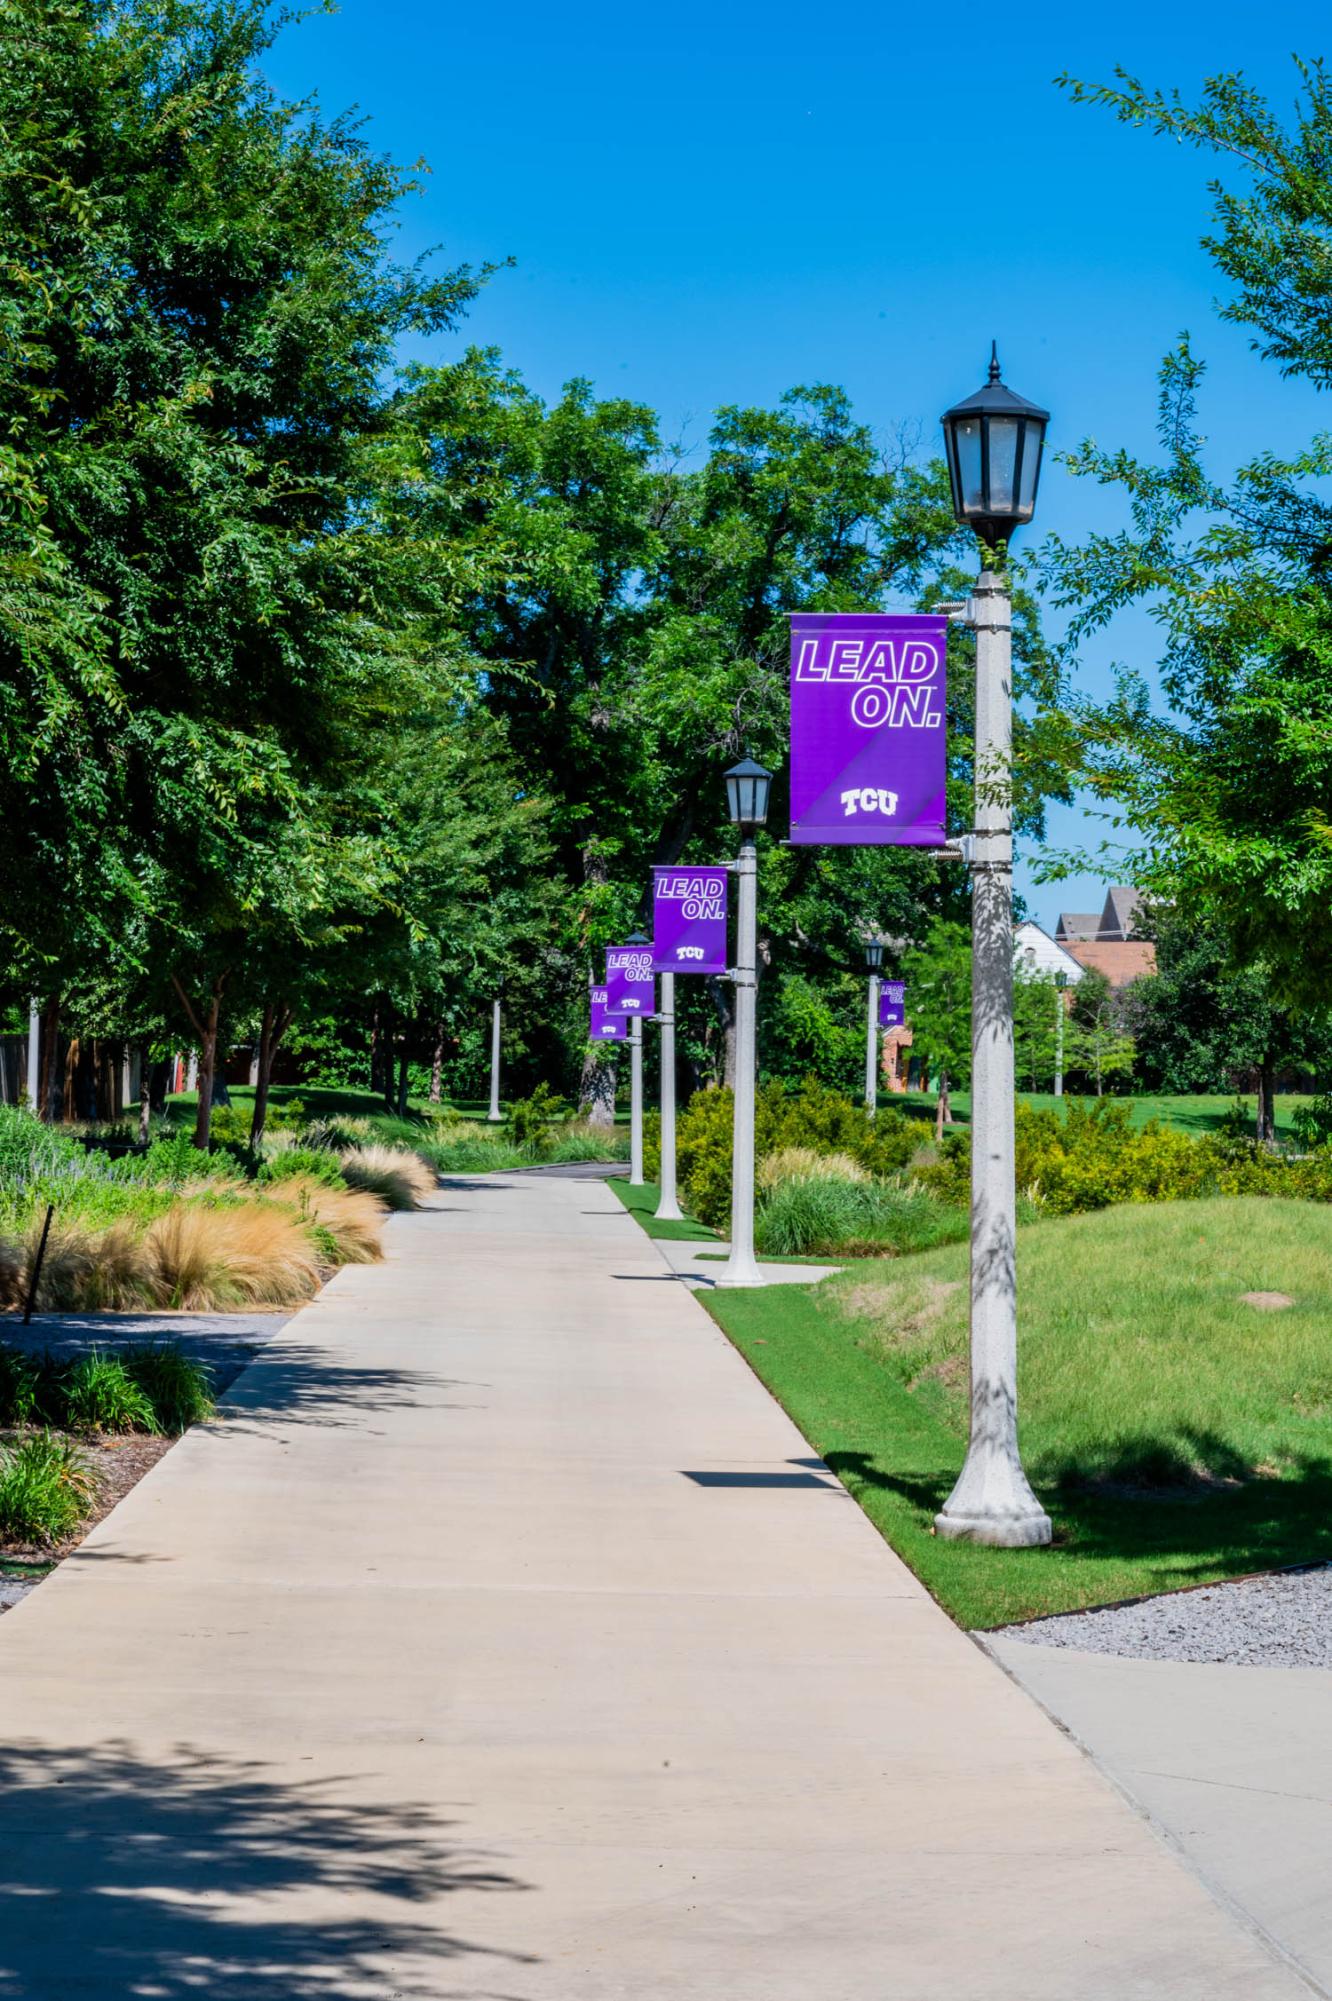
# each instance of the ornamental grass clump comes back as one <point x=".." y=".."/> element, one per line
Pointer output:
<point x="397" y="1175"/>
<point x="178" y="1389"/>
<point x="98" y="1394"/>
<point x="251" y="1253"/>
<point x="46" y="1490"/>
<point x="350" y="1220"/>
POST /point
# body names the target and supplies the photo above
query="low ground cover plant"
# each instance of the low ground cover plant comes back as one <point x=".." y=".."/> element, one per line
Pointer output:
<point x="151" y="1387"/>
<point x="1175" y="1397"/>
<point x="46" y="1490"/>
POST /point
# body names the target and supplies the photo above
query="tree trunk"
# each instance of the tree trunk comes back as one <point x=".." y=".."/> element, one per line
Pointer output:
<point x="276" y="1022"/>
<point x="943" y="1111"/>
<point x="145" y="1092"/>
<point x="402" y="1080"/>
<point x="596" y="1087"/>
<point x="437" y="1064"/>
<point x="1267" y="1102"/>
<point x="52" y="1085"/>
<point x="723" y="996"/>
<point x="206" y="1030"/>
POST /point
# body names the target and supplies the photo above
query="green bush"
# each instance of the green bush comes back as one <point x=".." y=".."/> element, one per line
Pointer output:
<point x="98" y="1394"/>
<point x="178" y="1389"/>
<point x="530" y="1121"/>
<point x="825" y="1216"/>
<point x="46" y="1489"/>
<point x="1091" y="1158"/>
<point x="20" y="1387"/>
<point x="310" y="1163"/>
<point x="813" y="1116"/>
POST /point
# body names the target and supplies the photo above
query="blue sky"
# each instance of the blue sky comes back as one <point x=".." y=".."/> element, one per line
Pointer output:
<point x="710" y="204"/>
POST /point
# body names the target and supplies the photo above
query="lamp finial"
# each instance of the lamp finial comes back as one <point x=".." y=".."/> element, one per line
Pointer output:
<point x="994" y="361"/>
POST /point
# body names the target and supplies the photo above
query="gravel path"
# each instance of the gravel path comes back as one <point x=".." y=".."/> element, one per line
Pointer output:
<point x="1281" y="1621"/>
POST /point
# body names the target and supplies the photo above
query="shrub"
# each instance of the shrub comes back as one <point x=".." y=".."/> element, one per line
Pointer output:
<point x="580" y="1141"/>
<point x="472" y="1148"/>
<point x="178" y="1389"/>
<point x="813" y="1117"/>
<point x="304" y="1163"/>
<point x="1089" y="1159"/>
<point x="46" y="1489"/>
<point x="829" y="1215"/>
<point x="530" y="1121"/>
<point x="20" y="1386"/>
<point x="98" y="1394"/>
<point x="397" y="1175"/>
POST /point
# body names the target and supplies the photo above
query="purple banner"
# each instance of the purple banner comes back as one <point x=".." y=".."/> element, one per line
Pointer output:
<point x="867" y="729"/>
<point x="892" y="1004"/>
<point x="689" y="920"/>
<point x="606" y="1027"/>
<point x="630" y="987"/>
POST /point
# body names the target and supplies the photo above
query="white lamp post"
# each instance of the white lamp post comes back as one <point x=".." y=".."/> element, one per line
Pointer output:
<point x="493" y="1115"/>
<point x="668" y="1208"/>
<point x="34" y="1052"/>
<point x="994" y="442"/>
<point x="1061" y="988"/>
<point x="874" y="961"/>
<point x="747" y="787"/>
<point x="636" y="939"/>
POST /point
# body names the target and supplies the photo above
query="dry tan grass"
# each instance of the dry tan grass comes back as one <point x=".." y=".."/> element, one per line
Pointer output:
<point x="801" y="1163"/>
<point x="352" y="1217"/>
<point x="397" y="1174"/>
<point x="252" y="1253"/>
<point x="899" y="1315"/>
<point x="13" y="1273"/>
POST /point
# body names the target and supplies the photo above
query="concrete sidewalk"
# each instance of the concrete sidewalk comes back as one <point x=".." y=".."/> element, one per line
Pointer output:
<point x="505" y="1643"/>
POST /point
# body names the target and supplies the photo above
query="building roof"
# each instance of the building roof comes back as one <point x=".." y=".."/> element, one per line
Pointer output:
<point x="1119" y="917"/>
<point x="1078" y="924"/>
<point x="1120" y="959"/>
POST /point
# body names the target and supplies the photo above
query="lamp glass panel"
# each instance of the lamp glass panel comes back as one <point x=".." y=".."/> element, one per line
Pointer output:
<point x="1031" y="466"/>
<point x="1003" y="464"/>
<point x="967" y="436"/>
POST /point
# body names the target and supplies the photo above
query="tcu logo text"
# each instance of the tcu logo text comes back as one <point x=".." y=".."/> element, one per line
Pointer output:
<point x="869" y="799"/>
<point x="689" y="951"/>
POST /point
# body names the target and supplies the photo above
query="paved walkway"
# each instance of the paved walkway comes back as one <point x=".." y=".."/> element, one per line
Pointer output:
<point x="504" y="1643"/>
<point x="1234" y="1762"/>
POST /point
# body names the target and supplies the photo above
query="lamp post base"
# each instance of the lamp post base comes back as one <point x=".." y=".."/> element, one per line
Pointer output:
<point x="998" y="1531"/>
<point x="992" y="1503"/>
<point x="742" y="1271"/>
<point x="668" y="1212"/>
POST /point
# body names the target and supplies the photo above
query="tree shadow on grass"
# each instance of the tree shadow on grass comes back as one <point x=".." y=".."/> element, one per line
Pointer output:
<point x="142" y="1879"/>
<point x="1189" y="1503"/>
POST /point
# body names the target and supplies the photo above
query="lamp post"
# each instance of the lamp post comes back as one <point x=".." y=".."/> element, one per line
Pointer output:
<point x="636" y="939"/>
<point x="874" y="960"/>
<point x="747" y="787"/>
<point x="493" y="1115"/>
<point x="668" y="1206"/>
<point x="1061" y="988"/>
<point x="994" y="442"/>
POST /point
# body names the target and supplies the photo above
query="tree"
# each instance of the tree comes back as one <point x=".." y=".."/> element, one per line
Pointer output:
<point x="1096" y="1043"/>
<point x="192" y="395"/>
<point x="938" y="977"/>
<point x="1036" y="1000"/>
<point x="1231" y="788"/>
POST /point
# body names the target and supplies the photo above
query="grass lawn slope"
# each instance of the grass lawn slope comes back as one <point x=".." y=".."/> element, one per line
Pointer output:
<point x="1176" y="1431"/>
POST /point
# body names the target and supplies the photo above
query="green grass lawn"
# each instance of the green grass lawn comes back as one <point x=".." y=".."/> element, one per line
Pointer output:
<point x="1196" y="1115"/>
<point x="642" y="1202"/>
<point x="1175" y="1433"/>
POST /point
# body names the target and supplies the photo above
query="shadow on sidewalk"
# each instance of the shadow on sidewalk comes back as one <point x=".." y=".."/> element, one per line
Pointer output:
<point x="124" y="1877"/>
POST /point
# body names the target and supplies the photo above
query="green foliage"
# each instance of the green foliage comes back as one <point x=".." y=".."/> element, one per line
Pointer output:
<point x="97" y="1393"/>
<point x="301" y="1162"/>
<point x="813" y="1116"/>
<point x="938" y="976"/>
<point x="46" y="1490"/>
<point x="147" y="1388"/>
<point x="1312" y="1123"/>
<point x="177" y="1387"/>
<point x="531" y="1121"/>
<point x="1228" y="789"/>
<point x="824" y="1215"/>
